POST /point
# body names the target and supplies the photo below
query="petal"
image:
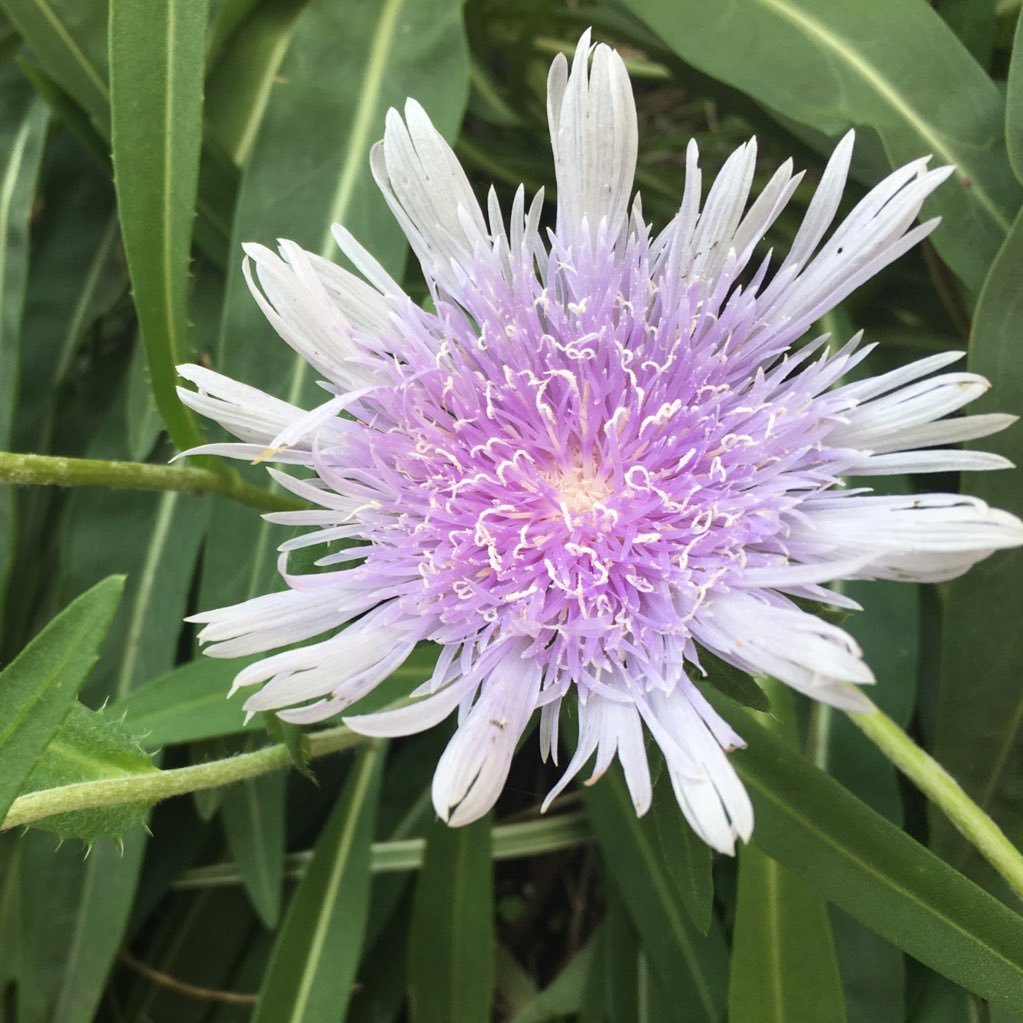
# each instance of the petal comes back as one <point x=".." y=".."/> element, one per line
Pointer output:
<point x="775" y="638"/>
<point x="429" y="194"/>
<point x="592" y="120"/>
<point x="706" y="786"/>
<point x="474" y="766"/>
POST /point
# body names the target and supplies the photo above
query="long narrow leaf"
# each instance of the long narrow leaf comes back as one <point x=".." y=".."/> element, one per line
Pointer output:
<point x="312" y="967"/>
<point x="451" y="940"/>
<point x="691" y="967"/>
<point x="876" y="872"/>
<point x="156" y="89"/>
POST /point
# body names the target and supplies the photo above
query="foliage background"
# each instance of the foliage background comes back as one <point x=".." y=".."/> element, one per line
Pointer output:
<point x="141" y="144"/>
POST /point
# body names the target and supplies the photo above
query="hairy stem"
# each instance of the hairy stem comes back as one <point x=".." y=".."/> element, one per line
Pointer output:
<point x="945" y="792"/>
<point x="151" y="787"/>
<point x="47" y="470"/>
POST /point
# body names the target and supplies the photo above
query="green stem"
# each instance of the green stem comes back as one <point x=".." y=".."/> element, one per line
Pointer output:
<point x="47" y="470"/>
<point x="945" y="792"/>
<point x="154" y="786"/>
<point x="510" y="841"/>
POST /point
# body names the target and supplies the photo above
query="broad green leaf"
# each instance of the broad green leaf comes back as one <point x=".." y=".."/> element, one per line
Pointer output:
<point x="38" y="688"/>
<point x="314" y="960"/>
<point x="154" y="539"/>
<point x="1014" y="102"/>
<point x="253" y="816"/>
<point x="451" y="938"/>
<point x="874" y="871"/>
<point x="90" y="746"/>
<point x="23" y="122"/>
<point x="783" y="957"/>
<point x="691" y="967"/>
<point x="186" y="704"/>
<point x="75" y="910"/>
<point x="157" y="62"/>
<point x="831" y="64"/>
<point x="309" y="167"/>
<point x="980" y="719"/>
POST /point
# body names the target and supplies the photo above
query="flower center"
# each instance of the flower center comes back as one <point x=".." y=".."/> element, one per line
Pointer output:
<point x="580" y="489"/>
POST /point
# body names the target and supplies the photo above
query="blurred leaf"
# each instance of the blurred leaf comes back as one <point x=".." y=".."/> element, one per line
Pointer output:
<point x="90" y="746"/>
<point x="980" y="718"/>
<point x="341" y="72"/>
<point x="239" y="85"/>
<point x="314" y="960"/>
<point x="836" y="63"/>
<point x="75" y="911"/>
<point x="23" y="121"/>
<point x="620" y="946"/>
<point x="564" y="995"/>
<point x="1014" y="102"/>
<point x="783" y="956"/>
<point x="874" y="871"/>
<point x="68" y="112"/>
<point x="687" y="857"/>
<point x="69" y="37"/>
<point x="253" y="816"/>
<point x="186" y="704"/>
<point x="973" y="21"/>
<point x="692" y="968"/>
<point x="451" y="938"/>
<point x="156" y="92"/>
<point x="37" y="689"/>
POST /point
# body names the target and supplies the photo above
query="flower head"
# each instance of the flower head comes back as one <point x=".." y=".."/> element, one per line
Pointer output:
<point x="599" y="453"/>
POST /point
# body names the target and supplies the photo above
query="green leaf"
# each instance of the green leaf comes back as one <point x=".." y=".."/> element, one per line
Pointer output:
<point x="75" y="911"/>
<point x="154" y="539"/>
<point x="686" y="856"/>
<point x="23" y="123"/>
<point x="973" y="22"/>
<point x="831" y="64"/>
<point x="253" y="816"/>
<point x="91" y="745"/>
<point x="156" y="91"/>
<point x="69" y="37"/>
<point x="345" y="65"/>
<point x="783" y="955"/>
<point x="783" y="958"/>
<point x="564" y="995"/>
<point x="239" y="86"/>
<point x="314" y="960"/>
<point x="734" y="683"/>
<point x="980" y="718"/>
<point x="1014" y="102"/>
<point x="874" y="871"/>
<point x="186" y="704"/>
<point x="451" y="939"/>
<point x="37" y="689"/>
<point x="691" y="967"/>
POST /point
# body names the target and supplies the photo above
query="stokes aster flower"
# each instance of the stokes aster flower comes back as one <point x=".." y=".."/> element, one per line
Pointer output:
<point x="598" y="454"/>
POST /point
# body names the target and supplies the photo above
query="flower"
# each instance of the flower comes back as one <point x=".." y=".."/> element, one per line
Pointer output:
<point x="598" y="454"/>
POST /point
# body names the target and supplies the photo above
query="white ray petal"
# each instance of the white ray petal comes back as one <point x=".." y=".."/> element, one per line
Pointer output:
<point x="592" y="120"/>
